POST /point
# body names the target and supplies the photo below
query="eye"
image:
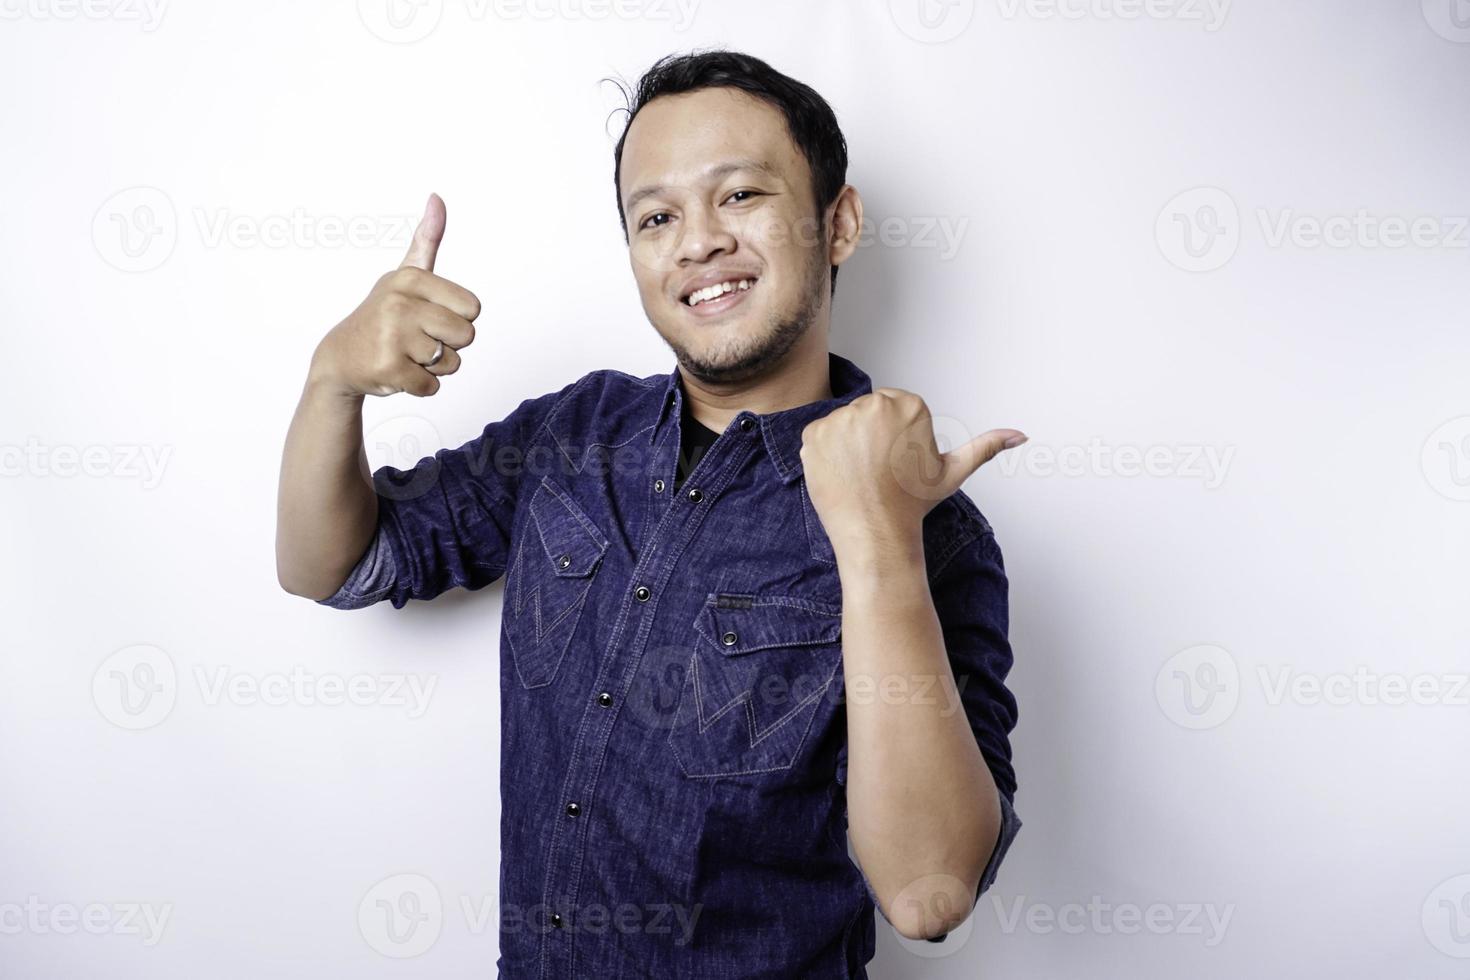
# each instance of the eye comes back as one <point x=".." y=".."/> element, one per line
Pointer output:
<point x="749" y="194"/>
<point x="657" y="214"/>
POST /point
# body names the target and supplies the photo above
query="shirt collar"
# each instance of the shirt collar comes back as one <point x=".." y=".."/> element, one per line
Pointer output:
<point x="782" y="430"/>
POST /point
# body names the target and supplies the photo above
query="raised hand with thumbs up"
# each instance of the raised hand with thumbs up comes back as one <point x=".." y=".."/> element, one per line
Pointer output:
<point x="403" y="337"/>
<point x="409" y="329"/>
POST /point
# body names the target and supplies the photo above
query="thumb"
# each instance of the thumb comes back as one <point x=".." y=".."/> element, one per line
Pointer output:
<point x="427" y="236"/>
<point x="960" y="463"/>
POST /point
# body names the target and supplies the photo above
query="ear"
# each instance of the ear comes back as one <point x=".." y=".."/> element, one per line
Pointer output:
<point x="846" y="223"/>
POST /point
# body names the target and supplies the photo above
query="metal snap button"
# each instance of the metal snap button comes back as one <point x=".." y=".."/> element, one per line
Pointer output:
<point x="658" y="486"/>
<point x="746" y="424"/>
<point x="564" y="561"/>
<point x="605" y="699"/>
<point x="728" y="639"/>
<point x="642" y="593"/>
<point x="556" y="920"/>
<point x="573" y="809"/>
<point x="696" y="495"/>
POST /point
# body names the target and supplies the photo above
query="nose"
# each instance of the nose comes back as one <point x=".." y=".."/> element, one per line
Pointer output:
<point x="704" y="235"/>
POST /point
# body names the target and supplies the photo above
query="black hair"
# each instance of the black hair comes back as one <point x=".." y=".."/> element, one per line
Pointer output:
<point x="809" y="119"/>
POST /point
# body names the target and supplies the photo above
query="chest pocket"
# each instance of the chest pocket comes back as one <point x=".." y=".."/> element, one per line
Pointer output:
<point x="760" y="679"/>
<point x="556" y="560"/>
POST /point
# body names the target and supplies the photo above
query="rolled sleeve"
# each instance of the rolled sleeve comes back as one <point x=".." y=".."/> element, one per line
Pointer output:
<point x="970" y="593"/>
<point x="371" y="578"/>
<point x="1009" y="825"/>
<point x="968" y="584"/>
<point x="446" y="522"/>
<point x="971" y="599"/>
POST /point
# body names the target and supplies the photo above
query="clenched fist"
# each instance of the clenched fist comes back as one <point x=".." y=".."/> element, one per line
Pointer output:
<point x="390" y="342"/>
<point x="873" y="467"/>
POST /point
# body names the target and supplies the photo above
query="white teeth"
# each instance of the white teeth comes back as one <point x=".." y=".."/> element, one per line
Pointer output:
<point x="717" y="290"/>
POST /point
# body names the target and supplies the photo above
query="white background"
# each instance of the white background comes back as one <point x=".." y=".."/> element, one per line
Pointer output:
<point x="1166" y="775"/>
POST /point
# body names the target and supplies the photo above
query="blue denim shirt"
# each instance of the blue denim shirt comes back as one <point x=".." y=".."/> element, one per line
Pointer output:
<point x="672" y="701"/>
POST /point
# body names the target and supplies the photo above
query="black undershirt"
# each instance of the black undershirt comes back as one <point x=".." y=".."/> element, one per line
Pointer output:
<point x="694" y="439"/>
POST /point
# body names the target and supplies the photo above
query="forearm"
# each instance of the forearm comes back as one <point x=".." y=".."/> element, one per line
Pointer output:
<point x="923" y="812"/>
<point x="326" y="509"/>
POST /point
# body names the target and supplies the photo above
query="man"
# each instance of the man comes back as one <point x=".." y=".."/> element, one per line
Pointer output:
<point x="748" y="610"/>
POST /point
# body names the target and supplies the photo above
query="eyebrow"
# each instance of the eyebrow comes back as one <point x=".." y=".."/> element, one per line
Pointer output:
<point x="716" y="171"/>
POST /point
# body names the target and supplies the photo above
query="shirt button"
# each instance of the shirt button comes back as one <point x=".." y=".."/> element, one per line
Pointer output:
<point x="728" y="639"/>
<point x="642" y="593"/>
<point x="658" y="486"/>
<point x="564" y="561"/>
<point x="746" y="424"/>
<point x="696" y="495"/>
<point x="556" y="920"/>
<point x="573" y="809"/>
<point x="605" y="699"/>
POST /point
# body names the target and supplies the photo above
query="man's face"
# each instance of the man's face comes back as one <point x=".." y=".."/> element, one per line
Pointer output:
<point x="717" y="194"/>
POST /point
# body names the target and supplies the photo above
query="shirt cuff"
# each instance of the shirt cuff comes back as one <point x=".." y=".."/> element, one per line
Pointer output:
<point x="370" y="579"/>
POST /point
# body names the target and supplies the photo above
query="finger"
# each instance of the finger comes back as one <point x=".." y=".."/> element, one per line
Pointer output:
<point x="420" y="348"/>
<point x="424" y="248"/>
<point x="443" y="324"/>
<point x="440" y="291"/>
<point x="963" y="461"/>
<point x="416" y="380"/>
<point x="448" y="364"/>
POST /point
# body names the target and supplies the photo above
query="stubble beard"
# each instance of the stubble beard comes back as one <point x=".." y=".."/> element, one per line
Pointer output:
<point x="761" y="355"/>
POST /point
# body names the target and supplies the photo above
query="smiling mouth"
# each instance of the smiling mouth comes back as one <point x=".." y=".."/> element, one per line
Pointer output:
<point x="720" y="296"/>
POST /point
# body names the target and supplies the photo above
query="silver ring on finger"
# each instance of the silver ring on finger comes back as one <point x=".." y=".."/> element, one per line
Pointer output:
<point x="438" y="354"/>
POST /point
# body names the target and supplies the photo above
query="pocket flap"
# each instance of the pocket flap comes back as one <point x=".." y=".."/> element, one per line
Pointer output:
<point x="736" y="624"/>
<point x="572" y="544"/>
